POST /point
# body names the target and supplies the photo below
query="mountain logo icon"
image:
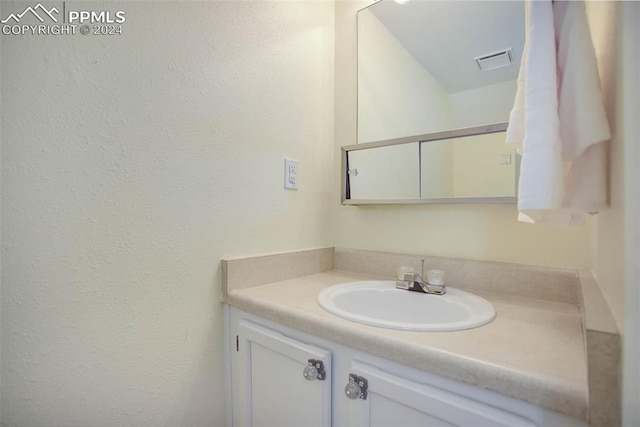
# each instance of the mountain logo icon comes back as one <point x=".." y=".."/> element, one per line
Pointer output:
<point x="33" y="11"/>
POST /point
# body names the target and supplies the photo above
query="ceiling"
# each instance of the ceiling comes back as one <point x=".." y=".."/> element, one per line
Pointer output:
<point x="446" y="35"/>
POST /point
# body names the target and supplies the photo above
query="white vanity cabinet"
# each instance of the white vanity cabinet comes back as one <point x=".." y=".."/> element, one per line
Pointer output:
<point x="269" y="363"/>
<point x="393" y="400"/>
<point x="277" y="380"/>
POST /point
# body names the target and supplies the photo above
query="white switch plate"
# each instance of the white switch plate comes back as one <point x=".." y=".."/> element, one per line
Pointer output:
<point x="290" y="174"/>
<point x="505" y="159"/>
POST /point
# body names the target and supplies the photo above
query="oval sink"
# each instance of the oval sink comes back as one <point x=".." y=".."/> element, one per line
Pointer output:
<point x="379" y="303"/>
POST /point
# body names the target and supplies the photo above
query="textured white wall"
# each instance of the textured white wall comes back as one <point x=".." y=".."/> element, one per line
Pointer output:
<point x="470" y="231"/>
<point x="130" y="166"/>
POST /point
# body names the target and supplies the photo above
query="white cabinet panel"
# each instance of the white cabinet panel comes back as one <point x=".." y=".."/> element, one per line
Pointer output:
<point x="385" y="412"/>
<point x="269" y="387"/>
<point x="400" y="402"/>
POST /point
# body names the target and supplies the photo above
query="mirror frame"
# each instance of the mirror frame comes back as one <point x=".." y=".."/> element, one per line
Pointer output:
<point x="450" y="134"/>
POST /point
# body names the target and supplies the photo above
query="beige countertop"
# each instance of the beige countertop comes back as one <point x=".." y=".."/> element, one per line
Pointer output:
<point x="533" y="351"/>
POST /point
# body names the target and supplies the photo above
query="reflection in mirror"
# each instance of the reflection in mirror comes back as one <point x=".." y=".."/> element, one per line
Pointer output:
<point x="390" y="172"/>
<point x="420" y="66"/>
<point x="468" y="167"/>
<point x="471" y="165"/>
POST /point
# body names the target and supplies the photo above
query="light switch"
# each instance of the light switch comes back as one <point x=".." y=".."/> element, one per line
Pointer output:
<point x="505" y="159"/>
<point x="290" y="174"/>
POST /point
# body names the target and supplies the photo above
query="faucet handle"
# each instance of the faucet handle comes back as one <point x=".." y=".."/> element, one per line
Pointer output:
<point x="401" y="284"/>
<point x="409" y="277"/>
<point x="436" y="277"/>
<point x="402" y="270"/>
<point x="406" y="281"/>
<point x="436" y="289"/>
<point x="435" y="282"/>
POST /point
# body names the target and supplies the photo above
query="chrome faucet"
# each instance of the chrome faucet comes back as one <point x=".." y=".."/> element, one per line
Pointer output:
<point x="415" y="282"/>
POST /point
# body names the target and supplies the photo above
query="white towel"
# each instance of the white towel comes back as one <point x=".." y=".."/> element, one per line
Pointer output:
<point x="558" y="118"/>
<point x="584" y="128"/>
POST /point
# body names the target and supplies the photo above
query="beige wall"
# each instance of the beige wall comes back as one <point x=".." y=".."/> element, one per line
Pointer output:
<point x="631" y="107"/>
<point x="130" y="166"/>
<point x="470" y="231"/>
<point x="605" y="19"/>
<point x="467" y="167"/>
<point x="496" y="101"/>
<point x="616" y="238"/>
<point x="477" y="169"/>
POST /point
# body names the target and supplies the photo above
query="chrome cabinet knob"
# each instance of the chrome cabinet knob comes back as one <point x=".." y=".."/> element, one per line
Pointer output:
<point x="352" y="390"/>
<point x="357" y="387"/>
<point x="310" y="373"/>
<point x="314" y="370"/>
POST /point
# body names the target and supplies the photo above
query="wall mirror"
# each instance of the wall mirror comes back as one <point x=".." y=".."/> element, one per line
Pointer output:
<point x="433" y="70"/>
<point x="467" y="165"/>
<point x="429" y="66"/>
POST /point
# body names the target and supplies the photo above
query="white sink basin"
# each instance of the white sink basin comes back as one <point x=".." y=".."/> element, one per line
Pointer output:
<point x="379" y="303"/>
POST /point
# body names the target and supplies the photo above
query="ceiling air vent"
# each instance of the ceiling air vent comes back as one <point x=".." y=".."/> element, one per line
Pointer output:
<point x="494" y="60"/>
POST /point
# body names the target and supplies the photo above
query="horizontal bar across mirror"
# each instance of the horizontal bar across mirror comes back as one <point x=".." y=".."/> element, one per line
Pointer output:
<point x="432" y="66"/>
<point x="472" y="165"/>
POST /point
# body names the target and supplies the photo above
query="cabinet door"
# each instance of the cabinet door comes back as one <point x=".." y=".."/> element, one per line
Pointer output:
<point x="394" y="401"/>
<point x="269" y="388"/>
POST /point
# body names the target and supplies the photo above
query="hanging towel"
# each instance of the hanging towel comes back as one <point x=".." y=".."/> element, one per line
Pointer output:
<point x="533" y="123"/>
<point x="558" y="122"/>
<point x="584" y="129"/>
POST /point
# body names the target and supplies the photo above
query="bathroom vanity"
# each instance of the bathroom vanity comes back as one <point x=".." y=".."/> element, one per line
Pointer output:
<point x="281" y="376"/>
<point x="293" y="363"/>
